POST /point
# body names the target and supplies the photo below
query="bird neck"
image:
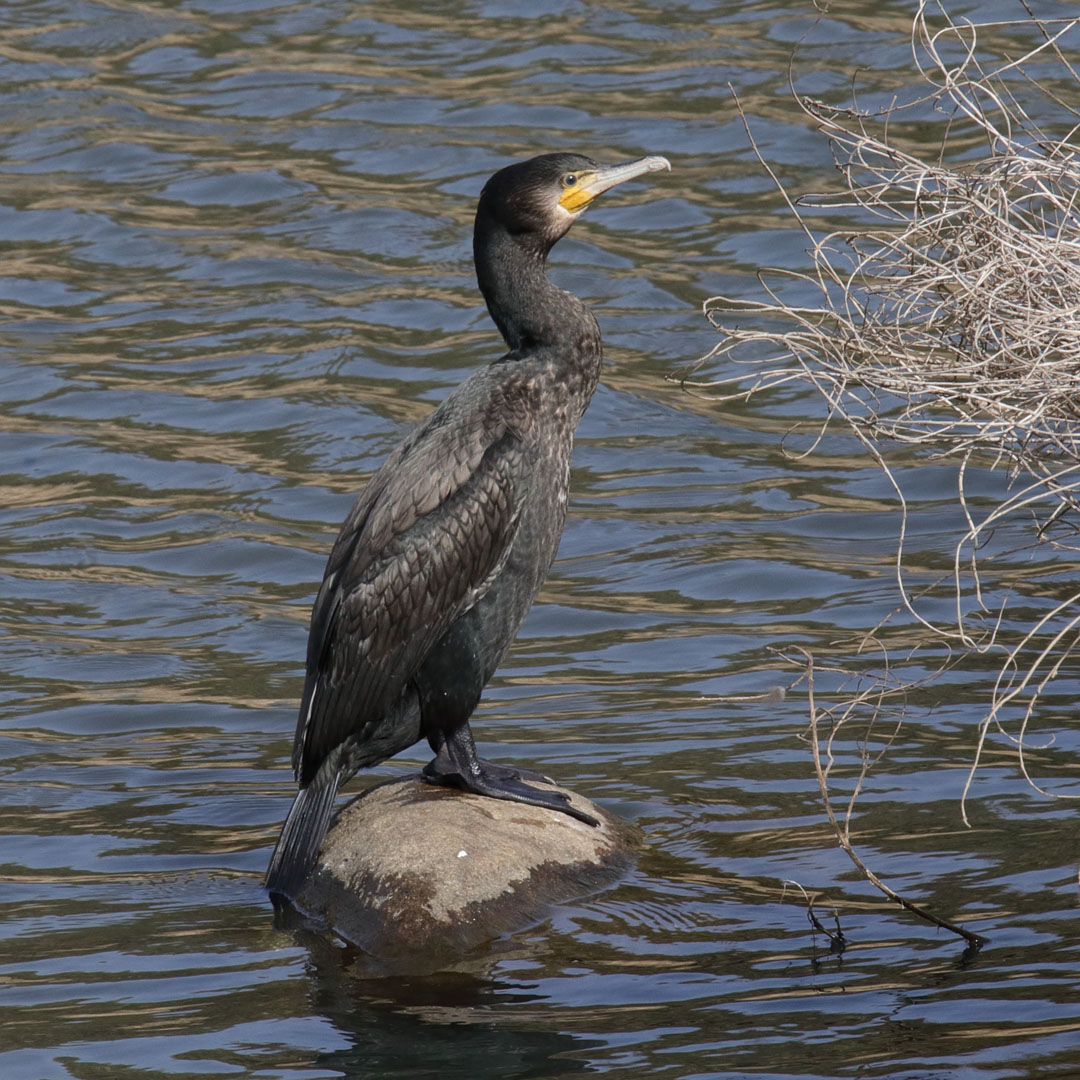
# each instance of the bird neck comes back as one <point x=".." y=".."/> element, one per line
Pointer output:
<point x="530" y="312"/>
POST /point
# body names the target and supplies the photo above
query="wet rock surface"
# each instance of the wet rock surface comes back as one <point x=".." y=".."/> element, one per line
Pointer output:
<point x="409" y="867"/>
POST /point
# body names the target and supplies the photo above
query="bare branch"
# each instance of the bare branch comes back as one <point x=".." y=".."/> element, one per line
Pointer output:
<point x="843" y="829"/>
<point x="950" y="323"/>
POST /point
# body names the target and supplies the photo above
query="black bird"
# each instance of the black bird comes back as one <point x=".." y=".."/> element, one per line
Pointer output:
<point x="440" y="559"/>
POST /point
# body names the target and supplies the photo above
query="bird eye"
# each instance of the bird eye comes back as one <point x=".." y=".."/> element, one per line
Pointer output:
<point x="569" y="179"/>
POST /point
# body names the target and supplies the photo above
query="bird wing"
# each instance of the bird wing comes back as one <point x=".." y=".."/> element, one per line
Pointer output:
<point x="420" y="547"/>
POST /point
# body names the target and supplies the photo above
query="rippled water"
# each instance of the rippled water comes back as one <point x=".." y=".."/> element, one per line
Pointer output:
<point x="236" y="269"/>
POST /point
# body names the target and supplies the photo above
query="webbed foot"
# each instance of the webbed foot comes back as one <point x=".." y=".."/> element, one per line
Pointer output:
<point x="495" y="771"/>
<point x="458" y="765"/>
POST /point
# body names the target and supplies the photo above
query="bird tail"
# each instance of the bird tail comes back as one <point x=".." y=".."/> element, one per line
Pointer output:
<point x="302" y="835"/>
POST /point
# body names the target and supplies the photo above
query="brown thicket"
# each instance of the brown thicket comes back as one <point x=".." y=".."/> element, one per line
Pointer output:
<point x="949" y="320"/>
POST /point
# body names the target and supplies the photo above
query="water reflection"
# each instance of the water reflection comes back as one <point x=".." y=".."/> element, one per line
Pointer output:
<point x="236" y="268"/>
<point x="455" y="1024"/>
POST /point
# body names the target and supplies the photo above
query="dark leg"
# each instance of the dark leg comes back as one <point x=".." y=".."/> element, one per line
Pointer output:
<point x="441" y="765"/>
<point x="449" y="684"/>
<point x="457" y="764"/>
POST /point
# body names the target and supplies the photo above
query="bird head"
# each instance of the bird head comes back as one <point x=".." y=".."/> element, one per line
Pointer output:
<point x="539" y="199"/>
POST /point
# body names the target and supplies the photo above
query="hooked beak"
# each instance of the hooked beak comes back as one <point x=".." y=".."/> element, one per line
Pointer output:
<point x="597" y="181"/>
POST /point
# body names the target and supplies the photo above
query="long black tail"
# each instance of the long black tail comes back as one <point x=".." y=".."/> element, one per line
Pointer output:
<point x="302" y="835"/>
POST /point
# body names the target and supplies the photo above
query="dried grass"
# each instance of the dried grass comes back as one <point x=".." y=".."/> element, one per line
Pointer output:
<point x="952" y="321"/>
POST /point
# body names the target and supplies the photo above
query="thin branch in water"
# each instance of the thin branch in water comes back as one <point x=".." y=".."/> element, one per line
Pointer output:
<point x="837" y="941"/>
<point x="842" y="830"/>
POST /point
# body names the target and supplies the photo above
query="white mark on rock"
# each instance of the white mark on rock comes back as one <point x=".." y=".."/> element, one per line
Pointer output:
<point x="462" y="853"/>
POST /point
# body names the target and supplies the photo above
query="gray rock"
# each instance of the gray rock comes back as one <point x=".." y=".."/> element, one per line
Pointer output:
<point x="412" y="868"/>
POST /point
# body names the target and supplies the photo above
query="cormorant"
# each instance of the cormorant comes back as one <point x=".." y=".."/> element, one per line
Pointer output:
<point x="440" y="559"/>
